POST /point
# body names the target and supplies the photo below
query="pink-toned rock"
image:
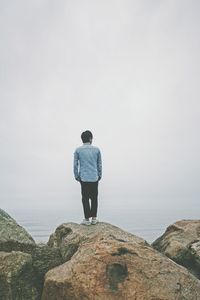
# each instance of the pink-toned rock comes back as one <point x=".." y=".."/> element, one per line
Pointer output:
<point x="68" y="237"/>
<point x="181" y="242"/>
<point x="110" y="263"/>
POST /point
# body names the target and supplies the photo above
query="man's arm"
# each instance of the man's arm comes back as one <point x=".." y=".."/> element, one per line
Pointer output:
<point x="76" y="172"/>
<point x="99" y="165"/>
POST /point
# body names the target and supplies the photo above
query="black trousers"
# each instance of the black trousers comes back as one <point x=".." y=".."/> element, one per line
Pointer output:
<point x="89" y="190"/>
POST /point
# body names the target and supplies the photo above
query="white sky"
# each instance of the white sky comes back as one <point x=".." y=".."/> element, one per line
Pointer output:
<point x="127" y="70"/>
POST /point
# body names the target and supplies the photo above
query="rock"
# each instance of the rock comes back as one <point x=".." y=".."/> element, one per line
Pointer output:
<point x="17" y="279"/>
<point x="106" y="262"/>
<point x="181" y="242"/>
<point x="69" y="236"/>
<point x="45" y="258"/>
<point x="13" y="236"/>
<point x="20" y="266"/>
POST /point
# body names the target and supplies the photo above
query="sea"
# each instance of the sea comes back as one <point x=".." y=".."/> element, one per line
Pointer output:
<point x="145" y="218"/>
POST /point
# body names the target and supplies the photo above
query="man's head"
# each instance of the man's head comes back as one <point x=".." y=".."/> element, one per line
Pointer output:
<point x="87" y="136"/>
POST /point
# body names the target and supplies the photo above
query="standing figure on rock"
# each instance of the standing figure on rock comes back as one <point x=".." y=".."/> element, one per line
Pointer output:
<point x="88" y="171"/>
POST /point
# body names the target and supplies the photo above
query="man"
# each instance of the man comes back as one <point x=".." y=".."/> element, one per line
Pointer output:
<point x="88" y="171"/>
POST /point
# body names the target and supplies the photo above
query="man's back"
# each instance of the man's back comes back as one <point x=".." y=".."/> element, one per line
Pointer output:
<point x="87" y="163"/>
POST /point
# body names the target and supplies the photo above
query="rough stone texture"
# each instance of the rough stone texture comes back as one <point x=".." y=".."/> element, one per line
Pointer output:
<point x="17" y="280"/>
<point x="45" y="258"/>
<point x="181" y="242"/>
<point x="66" y="239"/>
<point x="110" y="263"/>
<point x="69" y="236"/>
<point x="20" y="266"/>
<point x="13" y="236"/>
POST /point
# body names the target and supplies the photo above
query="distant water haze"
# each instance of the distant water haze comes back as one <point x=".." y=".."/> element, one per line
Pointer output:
<point x="140" y="217"/>
<point x="129" y="71"/>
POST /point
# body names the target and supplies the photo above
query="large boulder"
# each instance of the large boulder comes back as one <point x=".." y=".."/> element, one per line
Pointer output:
<point x="13" y="236"/>
<point x="17" y="279"/>
<point x="181" y="242"/>
<point x="106" y="262"/>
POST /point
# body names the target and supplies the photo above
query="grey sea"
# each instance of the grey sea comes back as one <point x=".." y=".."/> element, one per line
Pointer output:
<point x="145" y="218"/>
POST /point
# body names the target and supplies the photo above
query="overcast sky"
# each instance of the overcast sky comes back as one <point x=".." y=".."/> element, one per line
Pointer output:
<point x="128" y="70"/>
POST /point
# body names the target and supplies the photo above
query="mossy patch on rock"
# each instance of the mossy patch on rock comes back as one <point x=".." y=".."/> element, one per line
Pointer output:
<point x="44" y="258"/>
<point x="116" y="273"/>
<point x="17" y="278"/>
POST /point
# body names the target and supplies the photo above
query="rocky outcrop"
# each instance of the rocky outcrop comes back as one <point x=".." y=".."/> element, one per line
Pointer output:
<point x="98" y="262"/>
<point x="181" y="242"/>
<point x="105" y="262"/>
<point x="17" y="280"/>
<point x="14" y="237"/>
<point x="23" y="263"/>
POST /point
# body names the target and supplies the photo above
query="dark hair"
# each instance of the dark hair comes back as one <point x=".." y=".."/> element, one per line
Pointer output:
<point x="86" y="136"/>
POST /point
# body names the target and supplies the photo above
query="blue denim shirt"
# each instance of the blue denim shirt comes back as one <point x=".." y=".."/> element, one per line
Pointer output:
<point x="87" y="163"/>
